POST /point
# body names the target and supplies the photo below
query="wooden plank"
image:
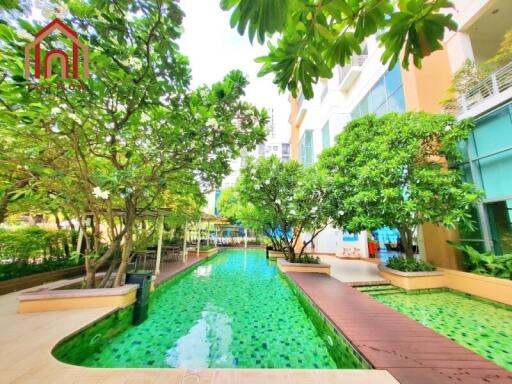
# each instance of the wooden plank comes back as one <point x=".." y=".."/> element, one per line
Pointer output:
<point x="413" y="353"/>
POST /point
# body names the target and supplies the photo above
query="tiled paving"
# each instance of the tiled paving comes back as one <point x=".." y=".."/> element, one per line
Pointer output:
<point x="412" y="353"/>
<point x="27" y="341"/>
<point x="353" y="271"/>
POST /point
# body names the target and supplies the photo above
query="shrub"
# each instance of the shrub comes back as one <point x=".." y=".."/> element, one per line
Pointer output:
<point x="32" y="242"/>
<point x="409" y="265"/>
<point x="305" y="259"/>
<point x="14" y="270"/>
<point x="487" y="263"/>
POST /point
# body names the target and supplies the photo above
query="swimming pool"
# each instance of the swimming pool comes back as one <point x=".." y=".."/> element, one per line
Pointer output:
<point x="479" y="325"/>
<point x="235" y="310"/>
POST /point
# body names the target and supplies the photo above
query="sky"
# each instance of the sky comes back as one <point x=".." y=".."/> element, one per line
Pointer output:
<point x="214" y="49"/>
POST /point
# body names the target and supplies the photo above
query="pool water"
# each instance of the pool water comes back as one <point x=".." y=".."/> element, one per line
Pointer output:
<point x="479" y="325"/>
<point x="233" y="311"/>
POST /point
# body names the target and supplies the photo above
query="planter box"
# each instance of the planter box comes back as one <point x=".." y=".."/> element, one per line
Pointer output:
<point x="491" y="288"/>
<point x="412" y="280"/>
<point x="487" y="287"/>
<point x="57" y="300"/>
<point x="210" y="252"/>
<point x="275" y="254"/>
<point x="286" y="266"/>
<point x="30" y="281"/>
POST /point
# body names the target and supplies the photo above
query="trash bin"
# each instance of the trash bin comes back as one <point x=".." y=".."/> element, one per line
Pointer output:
<point x="269" y="248"/>
<point x="143" y="279"/>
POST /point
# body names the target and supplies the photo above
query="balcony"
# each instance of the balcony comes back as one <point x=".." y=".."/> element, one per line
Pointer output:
<point x="490" y="92"/>
<point x="349" y="73"/>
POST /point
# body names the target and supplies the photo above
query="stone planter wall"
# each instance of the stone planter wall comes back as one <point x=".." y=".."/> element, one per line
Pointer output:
<point x="210" y="252"/>
<point x="491" y="288"/>
<point x="286" y="266"/>
<point x="275" y="254"/>
<point x="57" y="300"/>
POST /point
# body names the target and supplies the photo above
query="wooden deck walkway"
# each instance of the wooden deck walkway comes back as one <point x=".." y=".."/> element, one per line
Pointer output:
<point x="411" y="352"/>
<point x="169" y="269"/>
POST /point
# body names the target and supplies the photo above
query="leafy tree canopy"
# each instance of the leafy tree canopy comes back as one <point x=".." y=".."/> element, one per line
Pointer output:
<point x="136" y="137"/>
<point x="316" y="35"/>
<point x="392" y="170"/>
<point x="290" y="194"/>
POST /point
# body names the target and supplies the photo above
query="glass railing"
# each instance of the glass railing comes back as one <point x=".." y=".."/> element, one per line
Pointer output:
<point x="495" y="84"/>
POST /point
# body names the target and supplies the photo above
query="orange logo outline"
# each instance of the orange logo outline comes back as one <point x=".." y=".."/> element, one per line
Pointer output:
<point x="58" y="53"/>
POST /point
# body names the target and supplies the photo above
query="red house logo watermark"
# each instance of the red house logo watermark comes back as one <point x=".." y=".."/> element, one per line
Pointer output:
<point x="43" y="65"/>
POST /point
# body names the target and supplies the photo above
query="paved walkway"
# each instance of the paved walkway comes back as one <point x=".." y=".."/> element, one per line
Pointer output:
<point x="169" y="269"/>
<point x="411" y="352"/>
<point x="27" y="340"/>
<point x="353" y="271"/>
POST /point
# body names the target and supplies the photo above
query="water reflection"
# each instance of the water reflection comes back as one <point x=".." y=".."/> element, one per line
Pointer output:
<point x="203" y="270"/>
<point x="207" y="344"/>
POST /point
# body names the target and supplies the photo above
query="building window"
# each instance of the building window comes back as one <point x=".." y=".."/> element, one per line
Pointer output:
<point x="306" y="148"/>
<point x="500" y="221"/>
<point x="387" y="95"/>
<point x="488" y="164"/>
<point x="326" y="138"/>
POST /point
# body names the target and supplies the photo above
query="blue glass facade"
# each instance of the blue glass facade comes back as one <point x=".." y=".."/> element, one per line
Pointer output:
<point x="387" y="95"/>
<point x="488" y="165"/>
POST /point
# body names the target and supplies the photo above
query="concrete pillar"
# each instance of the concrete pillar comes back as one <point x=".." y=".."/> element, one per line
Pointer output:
<point x="185" y="252"/>
<point x="159" y="248"/>
<point x="198" y="237"/>
<point x="459" y="50"/>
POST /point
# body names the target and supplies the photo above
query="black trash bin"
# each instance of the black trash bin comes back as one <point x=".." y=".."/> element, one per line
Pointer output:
<point x="269" y="248"/>
<point x="143" y="279"/>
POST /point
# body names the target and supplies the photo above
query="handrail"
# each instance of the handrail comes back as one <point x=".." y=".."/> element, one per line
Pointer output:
<point x="494" y="84"/>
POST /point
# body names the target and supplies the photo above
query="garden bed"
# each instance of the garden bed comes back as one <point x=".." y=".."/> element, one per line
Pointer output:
<point x="487" y="287"/>
<point x="286" y="266"/>
<point x="412" y="280"/>
<point x="19" y="283"/>
<point x="203" y="253"/>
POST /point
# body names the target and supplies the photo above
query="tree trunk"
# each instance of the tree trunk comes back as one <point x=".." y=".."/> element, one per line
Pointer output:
<point x="3" y="207"/>
<point x="90" y="274"/>
<point x="291" y="252"/>
<point x="406" y="239"/>
<point x="127" y="244"/>
<point x="125" y="256"/>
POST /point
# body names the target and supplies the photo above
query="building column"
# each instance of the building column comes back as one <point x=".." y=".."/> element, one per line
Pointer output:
<point x="159" y="247"/>
<point x="459" y="49"/>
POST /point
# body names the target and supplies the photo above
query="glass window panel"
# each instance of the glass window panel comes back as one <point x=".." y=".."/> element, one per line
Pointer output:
<point x="381" y="110"/>
<point x="500" y="221"/>
<point x="306" y="148"/>
<point x="396" y="102"/>
<point x="475" y="233"/>
<point x="494" y="132"/>
<point x="377" y="96"/>
<point x="393" y="79"/>
<point x="496" y="173"/>
<point x="326" y="139"/>
<point x="363" y="106"/>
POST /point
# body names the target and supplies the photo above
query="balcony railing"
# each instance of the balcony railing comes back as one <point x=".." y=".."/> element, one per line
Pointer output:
<point x="495" y="84"/>
<point x="350" y="72"/>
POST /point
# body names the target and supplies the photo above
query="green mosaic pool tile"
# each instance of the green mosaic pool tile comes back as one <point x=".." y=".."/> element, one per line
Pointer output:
<point x="339" y="348"/>
<point x="233" y="310"/>
<point x="91" y="339"/>
<point x="483" y="326"/>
